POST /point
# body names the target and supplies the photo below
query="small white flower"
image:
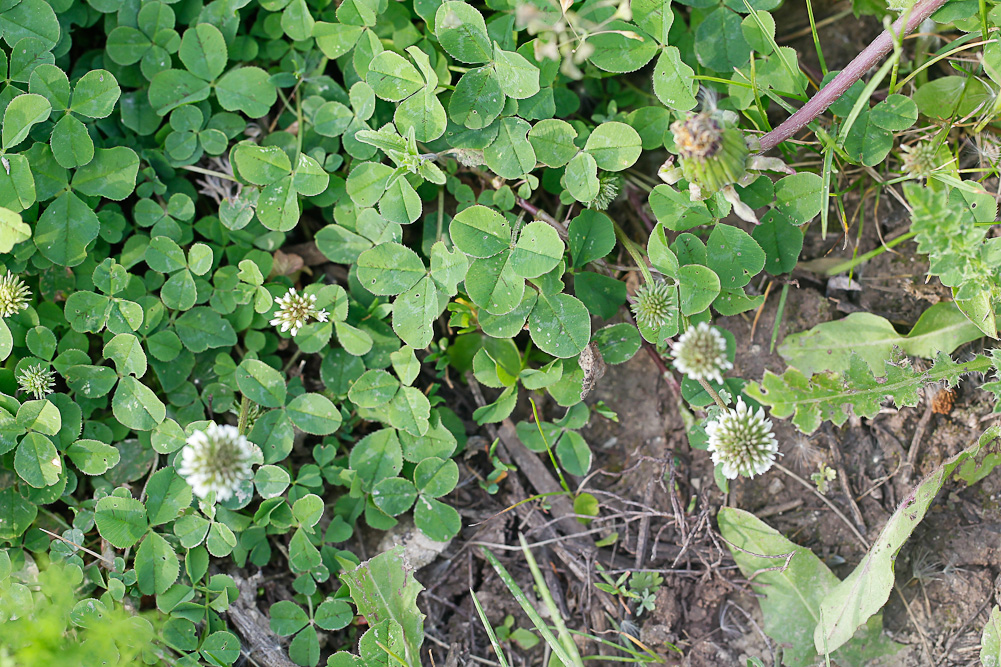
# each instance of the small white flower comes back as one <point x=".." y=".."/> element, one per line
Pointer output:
<point x="700" y="353"/>
<point x="14" y="295"/>
<point x="218" y="459"/>
<point x="295" y="310"/>
<point x="36" y="380"/>
<point x="742" y="442"/>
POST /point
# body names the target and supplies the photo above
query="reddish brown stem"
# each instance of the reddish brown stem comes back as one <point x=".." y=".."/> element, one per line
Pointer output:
<point x="862" y="63"/>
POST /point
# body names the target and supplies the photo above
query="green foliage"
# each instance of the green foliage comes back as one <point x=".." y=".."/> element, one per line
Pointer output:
<point x="386" y="593"/>
<point x="804" y="600"/>
<point x="958" y="250"/>
<point x="795" y="584"/>
<point x="49" y="619"/>
<point x="168" y="168"/>
<point x="829" y="346"/>
<point x="833" y="396"/>
<point x="557" y="637"/>
<point x="990" y="642"/>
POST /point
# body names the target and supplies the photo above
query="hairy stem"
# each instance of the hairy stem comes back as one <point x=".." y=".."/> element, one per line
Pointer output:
<point x="862" y="63"/>
<point x="712" y="392"/>
<point x="241" y="424"/>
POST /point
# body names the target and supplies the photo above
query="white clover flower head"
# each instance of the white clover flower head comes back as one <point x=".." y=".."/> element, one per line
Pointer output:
<point x="36" y="380"/>
<point x="14" y="295"/>
<point x="295" y="310"/>
<point x="741" y="441"/>
<point x="218" y="459"/>
<point x="700" y="353"/>
<point x="654" y="304"/>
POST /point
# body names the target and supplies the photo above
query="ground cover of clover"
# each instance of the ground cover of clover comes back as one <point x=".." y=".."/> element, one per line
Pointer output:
<point x="515" y="332"/>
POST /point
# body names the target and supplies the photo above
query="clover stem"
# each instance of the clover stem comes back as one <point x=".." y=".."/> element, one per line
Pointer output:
<point x="210" y="172"/>
<point x="292" y="360"/>
<point x="712" y="392"/>
<point x="531" y="208"/>
<point x="634" y="253"/>
<point x="301" y="128"/>
<point x="862" y="63"/>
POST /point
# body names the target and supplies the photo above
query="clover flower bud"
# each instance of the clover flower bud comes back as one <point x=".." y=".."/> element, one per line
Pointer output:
<point x="653" y="305"/>
<point x="608" y="190"/>
<point x="920" y="159"/>
<point x="36" y="380"/>
<point x="14" y="295"/>
<point x="741" y="442"/>
<point x="253" y="413"/>
<point x="218" y="459"/>
<point x="700" y="353"/>
<point x="295" y="310"/>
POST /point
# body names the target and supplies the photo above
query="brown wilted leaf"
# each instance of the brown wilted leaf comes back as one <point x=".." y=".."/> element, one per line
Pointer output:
<point x="286" y="264"/>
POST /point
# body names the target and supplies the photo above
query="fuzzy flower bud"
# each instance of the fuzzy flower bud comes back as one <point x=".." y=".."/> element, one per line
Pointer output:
<point x="295" y="310"/>
<point x="741" y="442"/>
<point x="14" y="295"/>
<point x="36" y="380"/>
<point x="654" y="304"/>
<point x="700" y="353"/>
<point x="218" y="459"/>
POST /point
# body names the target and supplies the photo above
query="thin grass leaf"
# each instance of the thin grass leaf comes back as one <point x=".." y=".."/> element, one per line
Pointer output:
<point x="489" y="629"/>
<point x="816" y="38"/>
<point x="633" y="655"/>
<point x="778" y="317"/>
<point x="825" y="193"/>
<point x="793" y="73"/>
<point x="391" y="654"/>
<point x="529" y="610"/>
<point x="554" y="611"/>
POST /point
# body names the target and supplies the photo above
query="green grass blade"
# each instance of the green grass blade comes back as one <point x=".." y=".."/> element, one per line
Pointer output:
<point x="554" y="611"/>
<point x="793" y="73"/>
<point x="816" y="37"/>
<point x="863" y="100"/>
<point x="825" y="193"/>
<point x="490" y="631"/>
<point x="778" y="317"/>
<point x="549" y="450"/>
<point x="529" y="610"/>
